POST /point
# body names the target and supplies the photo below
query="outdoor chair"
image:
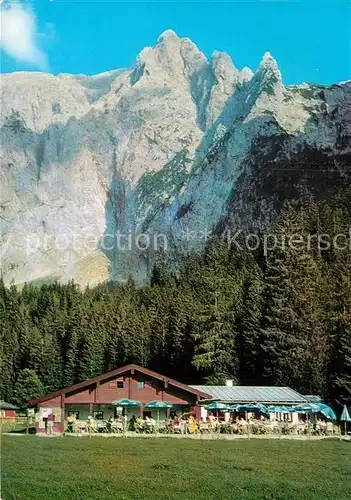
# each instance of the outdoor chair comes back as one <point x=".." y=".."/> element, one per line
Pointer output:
<point x="204" y="428"/>
<point x="329" y="429"/>
<point x="215" y="427"/>
<point x="285" y="429"/>
<point x="254" y="428"/>
<point x="229" y="428"/>
<point x="162" y="427"/>
<point x="103" y="427"/>
<point x="117" y="427"/>
<point x="147" y="427"/>
<point x="224" y="428"/>
<point x="323" y="429"/>
<point x="177" y="429"/>
<point x="317" y="430"/>
<point x="70" y="427"/>
<point x="234" y="429"/>
<point x="301" y="429"/>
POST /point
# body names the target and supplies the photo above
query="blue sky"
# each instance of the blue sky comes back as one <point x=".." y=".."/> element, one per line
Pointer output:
<point x="309" y="39"/>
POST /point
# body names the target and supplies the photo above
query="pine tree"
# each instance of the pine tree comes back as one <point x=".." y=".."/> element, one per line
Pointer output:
<point x="249" y="323"/>
<point x="28" y="386"/>
<point x="9" y="340"/>
<point x="215" y="335"/>
<point x="282" y="346"/>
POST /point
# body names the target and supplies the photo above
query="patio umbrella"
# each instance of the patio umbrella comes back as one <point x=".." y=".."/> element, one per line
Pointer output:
<point x="158" y="405"/>
<point x="218" y="406"/>
<point x="279" y="409"/>
<point x="274" y="409"/>
<point x="234" y="407"/>
<point x="306" y="408"/>
<point x="345" y="417"/>
<point x="327" y="411"/>
<point x="254" y="407"/>
<point x="287" y="409"/>
<point x="126" y="403"/>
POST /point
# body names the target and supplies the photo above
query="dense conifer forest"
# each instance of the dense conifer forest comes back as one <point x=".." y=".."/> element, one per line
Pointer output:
<point x="283" y="318"/>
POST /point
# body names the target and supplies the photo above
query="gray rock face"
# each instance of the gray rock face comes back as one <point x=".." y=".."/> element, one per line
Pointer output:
<point x="99" y="171"/>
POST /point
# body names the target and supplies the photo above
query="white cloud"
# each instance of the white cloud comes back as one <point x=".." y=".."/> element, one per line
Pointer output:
<point x="19" y="35"/>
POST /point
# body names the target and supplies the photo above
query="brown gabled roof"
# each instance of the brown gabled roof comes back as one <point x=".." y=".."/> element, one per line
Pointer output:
<point x="112" y="373"/>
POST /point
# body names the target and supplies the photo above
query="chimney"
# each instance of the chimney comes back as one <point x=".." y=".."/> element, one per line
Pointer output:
<point x="229" y="383"/>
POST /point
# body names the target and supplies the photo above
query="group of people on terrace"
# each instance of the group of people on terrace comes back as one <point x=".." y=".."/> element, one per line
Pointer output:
<point x="188" y="424"/>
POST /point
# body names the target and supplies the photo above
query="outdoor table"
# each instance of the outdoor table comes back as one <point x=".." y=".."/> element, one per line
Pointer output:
<point x="82" y="427"/>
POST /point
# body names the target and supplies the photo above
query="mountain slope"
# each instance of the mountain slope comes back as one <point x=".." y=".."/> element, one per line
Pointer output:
<point x="171" y="149"/>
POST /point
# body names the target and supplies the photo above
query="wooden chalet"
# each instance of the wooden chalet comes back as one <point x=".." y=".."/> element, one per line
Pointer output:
<point x="94" y="396"/>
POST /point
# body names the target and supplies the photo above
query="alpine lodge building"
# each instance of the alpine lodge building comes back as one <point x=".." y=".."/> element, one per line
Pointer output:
<point x="95" y="396"/>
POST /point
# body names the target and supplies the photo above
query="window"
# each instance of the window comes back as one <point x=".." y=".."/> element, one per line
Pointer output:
<point x="74" y="414"/>
<point x="119" y="384"/>
<point x="98" y="414"/>
<point x="113" y="385"/>
<point x="140" y="385"/>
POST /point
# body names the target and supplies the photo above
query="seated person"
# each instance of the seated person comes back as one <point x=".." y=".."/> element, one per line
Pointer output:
<point x="211" y="418"/>
<point x="132" y="423"/>
<point x="71" y="421"/>
<point x="146" y="423"/>
<point x="90" y="422"/>
<point x="192" y="425"/>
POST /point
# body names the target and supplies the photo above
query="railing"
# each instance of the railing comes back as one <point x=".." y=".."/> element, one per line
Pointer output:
<point x="17" y="424"/>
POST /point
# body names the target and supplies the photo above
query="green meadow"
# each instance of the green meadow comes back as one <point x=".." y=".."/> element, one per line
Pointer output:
<point x="71" y="468"/>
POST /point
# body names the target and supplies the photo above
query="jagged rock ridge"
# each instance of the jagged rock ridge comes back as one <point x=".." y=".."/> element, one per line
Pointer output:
<point x="177" y="145"/>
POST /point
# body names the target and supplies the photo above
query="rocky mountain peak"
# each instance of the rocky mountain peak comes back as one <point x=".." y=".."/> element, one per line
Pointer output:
<point x="246" y="74"/>
<point x="160" y="148"/>
<point x="269" y="69"/>
<point x="223" y="67"/>
<point x="168" y="36"/>
<point x="266" y="81"/>
<point x="171" y="56"/>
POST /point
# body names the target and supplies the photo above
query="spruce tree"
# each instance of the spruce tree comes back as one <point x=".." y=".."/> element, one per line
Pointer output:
<point x="28" y="386"/>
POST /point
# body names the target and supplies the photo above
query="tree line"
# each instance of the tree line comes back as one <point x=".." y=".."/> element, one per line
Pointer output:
<point x="281" y="317"/>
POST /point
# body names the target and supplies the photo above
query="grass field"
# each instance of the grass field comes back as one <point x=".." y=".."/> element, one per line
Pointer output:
<point x="36" y="468"/>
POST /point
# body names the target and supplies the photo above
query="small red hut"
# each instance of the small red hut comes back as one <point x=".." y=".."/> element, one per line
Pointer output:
<point x="7" y="410"/>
